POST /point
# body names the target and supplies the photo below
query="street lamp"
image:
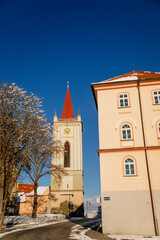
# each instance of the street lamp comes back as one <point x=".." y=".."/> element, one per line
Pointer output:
<point x="69" y="206"/>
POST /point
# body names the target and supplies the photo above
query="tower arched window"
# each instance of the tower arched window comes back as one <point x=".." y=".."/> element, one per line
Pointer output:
<point x="129" y="167"/>
<point x="126" y="131"/>
<point x="67" y="154"/>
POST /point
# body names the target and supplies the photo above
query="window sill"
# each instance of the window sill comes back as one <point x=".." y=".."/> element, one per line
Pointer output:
<point x="124" y="140"/>
<point x="134" y="175"/>
<point x="123" y="107"/>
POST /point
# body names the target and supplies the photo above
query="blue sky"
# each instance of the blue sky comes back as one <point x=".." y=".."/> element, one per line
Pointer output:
<point x="45" y="43"/>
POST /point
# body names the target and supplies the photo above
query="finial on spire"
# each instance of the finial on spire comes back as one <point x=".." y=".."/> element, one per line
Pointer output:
<point x="68" y="84"/>
<point x="55" y="119"/>
<point x="79" y="116"/>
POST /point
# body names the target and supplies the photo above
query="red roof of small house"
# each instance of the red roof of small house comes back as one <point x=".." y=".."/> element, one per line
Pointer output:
<point x="67" y="113"/>
<point x="26" y="188"/>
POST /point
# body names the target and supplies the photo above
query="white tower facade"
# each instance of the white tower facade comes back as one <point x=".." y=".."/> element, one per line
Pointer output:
<point x="68" y="196"/>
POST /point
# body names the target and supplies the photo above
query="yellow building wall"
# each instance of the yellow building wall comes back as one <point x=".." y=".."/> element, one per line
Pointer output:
<point x="110" y="117"/>
<point x="129" y="197"/>
<point x="112" y="175"/>
<point x="154" y="166"/>
<point x="151" y="114"/>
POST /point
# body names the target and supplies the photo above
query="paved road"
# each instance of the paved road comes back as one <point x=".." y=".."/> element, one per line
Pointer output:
<point x="60" y="231"/>
<point x="57" y="231"/>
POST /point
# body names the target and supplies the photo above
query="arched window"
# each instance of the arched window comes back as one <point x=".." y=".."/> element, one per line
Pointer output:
<point x="126" y="132"/>
<point x="129" y="167"/>
<point x="67" y="154"/>
<point x="123" y="100"/>
<point x="156" y="97"/>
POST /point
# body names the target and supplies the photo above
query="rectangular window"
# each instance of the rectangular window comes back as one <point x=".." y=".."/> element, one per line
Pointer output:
<point x="121" y="103"/>
<point x="123" y="100"/>
<point x="156" y="97"/>
<point x="126" y="102"/>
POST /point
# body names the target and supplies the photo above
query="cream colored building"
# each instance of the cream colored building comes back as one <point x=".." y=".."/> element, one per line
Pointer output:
<point x="68" y="130"/>
<point x="129" y="150"/>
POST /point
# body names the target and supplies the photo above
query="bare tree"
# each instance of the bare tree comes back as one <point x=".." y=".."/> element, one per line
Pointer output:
<point x="43" y="147"/>
<point x="18" y="114"/>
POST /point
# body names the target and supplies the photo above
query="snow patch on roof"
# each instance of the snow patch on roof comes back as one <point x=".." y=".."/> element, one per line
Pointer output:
<point x="132" y="76"/>
<point x="40" y="191"/>
<point x="125" y="79"/>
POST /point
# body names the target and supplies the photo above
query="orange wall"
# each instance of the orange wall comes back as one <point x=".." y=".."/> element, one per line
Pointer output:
<point x="25" y="208"/>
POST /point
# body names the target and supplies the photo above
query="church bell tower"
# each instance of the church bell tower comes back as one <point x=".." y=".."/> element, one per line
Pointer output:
<point x="69" y="194"/>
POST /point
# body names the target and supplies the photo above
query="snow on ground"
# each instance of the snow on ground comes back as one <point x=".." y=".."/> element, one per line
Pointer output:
<point x="41" y="218"/>
<point x="134" y="237"/>
<point x="78" y="232"/>
<point x="26" y="222"/>
<point x="19" y="223"/>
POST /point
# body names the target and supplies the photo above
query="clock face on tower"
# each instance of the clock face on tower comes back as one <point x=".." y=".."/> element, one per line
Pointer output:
<point x="67" y="131"/>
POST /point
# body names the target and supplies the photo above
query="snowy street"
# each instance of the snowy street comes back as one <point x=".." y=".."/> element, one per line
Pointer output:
<point x="58" y="228"/>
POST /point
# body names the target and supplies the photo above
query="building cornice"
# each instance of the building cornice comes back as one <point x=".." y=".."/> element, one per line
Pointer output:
<point x="125" y="84"/>
<point x="62" y="123"/>
<point x="127" y="149"/>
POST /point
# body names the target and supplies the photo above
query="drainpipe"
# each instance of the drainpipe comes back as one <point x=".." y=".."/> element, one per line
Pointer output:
<point x="146" y="157"/>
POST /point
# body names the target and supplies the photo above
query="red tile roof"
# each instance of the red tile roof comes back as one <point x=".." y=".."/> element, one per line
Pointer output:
<point x="26" y="188"/>
<point x="67" y="113"/>
<point x="133" y="76"/>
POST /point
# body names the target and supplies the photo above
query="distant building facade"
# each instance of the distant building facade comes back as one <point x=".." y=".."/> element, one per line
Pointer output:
<point x="129" y="150"/>
<point x="26" y="197"/>
<point x="69" y="194"/>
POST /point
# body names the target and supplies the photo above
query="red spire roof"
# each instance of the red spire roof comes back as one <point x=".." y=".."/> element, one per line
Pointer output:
<point x="67" y="113"/>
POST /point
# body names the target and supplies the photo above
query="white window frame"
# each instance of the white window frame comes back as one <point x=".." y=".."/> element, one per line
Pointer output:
<point x="129" y="167"/>
<point x="123" y="100"/>
<point x="126" y="131"/>
<point x="156" y="96"/>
